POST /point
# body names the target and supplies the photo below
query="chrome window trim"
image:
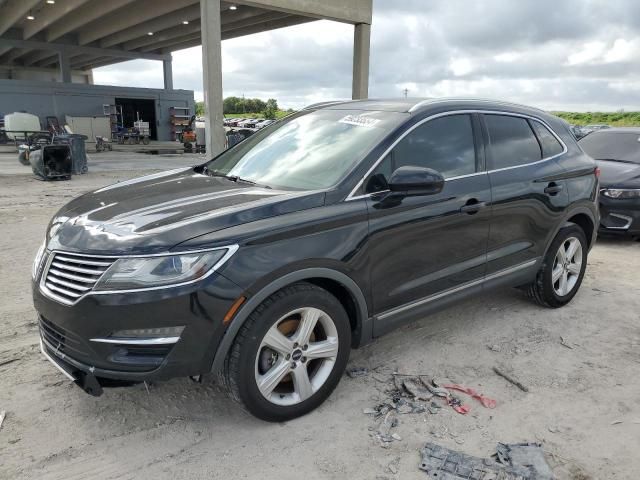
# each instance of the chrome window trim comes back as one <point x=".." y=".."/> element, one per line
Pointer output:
<point x="231" y="249"/>
<point x="459" y="288"/>
<point x="354" y="196"/>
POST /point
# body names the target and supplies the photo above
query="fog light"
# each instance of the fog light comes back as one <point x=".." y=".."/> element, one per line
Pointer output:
<point x="149" y="332"/>
<point x="143" y="336"/>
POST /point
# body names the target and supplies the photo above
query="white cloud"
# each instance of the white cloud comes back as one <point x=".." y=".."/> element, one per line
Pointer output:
<point x="460" y="66"/>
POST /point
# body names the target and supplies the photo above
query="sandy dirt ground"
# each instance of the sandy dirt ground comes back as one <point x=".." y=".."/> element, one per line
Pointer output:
<point x="583" y="402"/>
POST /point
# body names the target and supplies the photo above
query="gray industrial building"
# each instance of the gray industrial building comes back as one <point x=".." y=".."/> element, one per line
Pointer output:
<point x="48" y="49"/>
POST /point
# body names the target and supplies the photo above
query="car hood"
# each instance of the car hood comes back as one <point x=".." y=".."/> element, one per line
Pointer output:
<point x="619" y="174"/>
<point x="154" y="213"/>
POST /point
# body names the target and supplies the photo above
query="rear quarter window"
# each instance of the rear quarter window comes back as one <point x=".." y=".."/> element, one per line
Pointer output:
<point x="549" y="143"/>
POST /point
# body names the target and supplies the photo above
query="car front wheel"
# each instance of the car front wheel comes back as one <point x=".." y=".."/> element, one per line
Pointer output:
<point x="290" y="353"/>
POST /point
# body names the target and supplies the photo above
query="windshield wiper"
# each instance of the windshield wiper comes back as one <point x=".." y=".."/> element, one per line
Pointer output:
<point x="237" y="179"/>
<point x="233" y="178"/>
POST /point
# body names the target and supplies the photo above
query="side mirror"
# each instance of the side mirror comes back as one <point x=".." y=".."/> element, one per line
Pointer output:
<point x="414" y="181"/>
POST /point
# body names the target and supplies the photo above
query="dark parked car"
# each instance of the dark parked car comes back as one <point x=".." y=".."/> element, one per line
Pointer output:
<point x="341" y="222"/>
<point x="617" y="152"/>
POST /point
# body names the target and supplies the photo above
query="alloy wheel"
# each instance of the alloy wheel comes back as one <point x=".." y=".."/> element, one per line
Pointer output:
<point x="296" y="356"/>
<point x="567" y="266"/>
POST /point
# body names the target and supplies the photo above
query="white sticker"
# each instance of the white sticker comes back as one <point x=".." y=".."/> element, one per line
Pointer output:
<point x="359" y="120"/>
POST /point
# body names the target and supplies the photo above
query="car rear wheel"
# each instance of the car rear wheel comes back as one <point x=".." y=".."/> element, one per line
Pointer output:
<point x="562" y="270"/>
<point x="290" y="353"/>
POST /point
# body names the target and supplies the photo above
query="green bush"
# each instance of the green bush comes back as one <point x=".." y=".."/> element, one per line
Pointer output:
<point x="615" y="119"/>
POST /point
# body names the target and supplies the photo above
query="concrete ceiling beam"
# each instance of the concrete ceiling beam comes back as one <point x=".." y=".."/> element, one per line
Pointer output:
<point x="266" y="26"/>
<point x="38" y="56"/>
<point x="169" y="20"/>
<point x="50" y="15"/>
<point x="351" y="11"/>
<point x="10" y="57"/>
<point x="78" y="50"/>
<point x="13" y="11"/>
<point x="137" y="13"/>
<point x="90" y="12"/>
<point x="168" y="34"/>
<point x="168" y="43"/>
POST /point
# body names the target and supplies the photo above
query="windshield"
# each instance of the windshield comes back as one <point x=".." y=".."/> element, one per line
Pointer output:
<point x="307" y="151"/>
<point x="621" y="146"/>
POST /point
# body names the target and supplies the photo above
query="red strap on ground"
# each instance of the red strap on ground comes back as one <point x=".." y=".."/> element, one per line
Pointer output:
<point x="463" y="409"/>
<point x="485" y="401"/>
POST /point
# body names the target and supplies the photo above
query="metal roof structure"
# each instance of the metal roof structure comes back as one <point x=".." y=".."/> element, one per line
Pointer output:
<point x="96" y="33"/>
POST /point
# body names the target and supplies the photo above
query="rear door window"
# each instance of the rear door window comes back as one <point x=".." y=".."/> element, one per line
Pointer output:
<point x="549" y="143"/>
<point x="512" y="141"/>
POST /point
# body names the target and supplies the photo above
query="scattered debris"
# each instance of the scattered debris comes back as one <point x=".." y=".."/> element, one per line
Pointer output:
<point x="384" y="433"/>
<point x="409" y="392"/>
<point x="513" y="462"/>
<point x="485" y="401"/>
<point x="393" y="465"/>
<point x="553" y="429"/>
<point x="7" y="362"/>
<point x="418" y="390"/>
<point x="564" y="343"/>
<point x="529" y="455"/>
<point x="436" y="389"/>
<point x="616" y="422"/>
<point x="494" y="348"/>
<point x="510" y="378"/>
<point x="3" y="414"/>
<point x="357" y="372"/>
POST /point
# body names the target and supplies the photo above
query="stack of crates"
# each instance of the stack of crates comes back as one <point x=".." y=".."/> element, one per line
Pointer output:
<point x="142" y="128"/>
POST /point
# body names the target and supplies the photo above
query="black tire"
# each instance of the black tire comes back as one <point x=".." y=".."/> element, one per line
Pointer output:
<point x="542" y="290"/>
<point x="239" y="373"/>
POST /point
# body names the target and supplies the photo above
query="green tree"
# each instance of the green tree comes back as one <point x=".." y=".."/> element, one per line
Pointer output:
<point x="270" y="109"/>
<point x="200" y="109"/>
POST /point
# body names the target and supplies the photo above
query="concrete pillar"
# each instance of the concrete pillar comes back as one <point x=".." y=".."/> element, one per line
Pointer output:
<point x="361" y="47"/>
<point x="212" y="72"/>
<point x="65" y="66"/>
<point x="167" y="69"/>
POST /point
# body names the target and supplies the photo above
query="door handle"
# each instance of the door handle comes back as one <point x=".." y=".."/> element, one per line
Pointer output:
<point x="472" y="206"/>
<point x="553" y="189"/>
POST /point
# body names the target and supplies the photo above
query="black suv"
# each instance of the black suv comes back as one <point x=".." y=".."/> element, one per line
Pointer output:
<point x="267" y="264"/>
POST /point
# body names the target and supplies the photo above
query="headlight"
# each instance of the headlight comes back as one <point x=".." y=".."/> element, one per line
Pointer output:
<point x="134" y="273"/>
<point x="621" y="193"/>
<point x="37" y="260"/>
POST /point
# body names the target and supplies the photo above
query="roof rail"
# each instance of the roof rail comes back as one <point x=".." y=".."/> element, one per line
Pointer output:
<point x="420" y="104"/>
<point x="322" y="104"/>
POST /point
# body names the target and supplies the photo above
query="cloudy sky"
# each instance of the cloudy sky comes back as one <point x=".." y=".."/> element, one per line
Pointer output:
<point x="574" y="55"/>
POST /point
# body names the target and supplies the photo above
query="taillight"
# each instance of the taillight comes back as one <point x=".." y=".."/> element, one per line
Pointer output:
<point x="596" y="172"/>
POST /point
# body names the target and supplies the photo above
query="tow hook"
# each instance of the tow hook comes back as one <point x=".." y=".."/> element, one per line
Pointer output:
<point x="89" y="383"/>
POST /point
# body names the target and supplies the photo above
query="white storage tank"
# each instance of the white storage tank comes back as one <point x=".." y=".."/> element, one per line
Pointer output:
<point x="21" y="122"/>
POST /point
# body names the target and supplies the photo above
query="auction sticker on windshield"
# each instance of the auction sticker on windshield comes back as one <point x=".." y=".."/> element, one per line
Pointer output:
<point x="359" y="120"/>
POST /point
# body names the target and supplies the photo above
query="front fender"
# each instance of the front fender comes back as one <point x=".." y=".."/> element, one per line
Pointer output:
<point x="364" y="326"/>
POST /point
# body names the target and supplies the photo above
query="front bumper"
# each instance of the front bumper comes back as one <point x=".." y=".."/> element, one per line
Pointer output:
<point x="620" y="217"/>
<point x="66" y="332"/>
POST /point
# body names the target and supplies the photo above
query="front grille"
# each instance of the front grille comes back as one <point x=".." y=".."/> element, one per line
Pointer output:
<point x="60" y="339"/>
<point x="70" y="276"/>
